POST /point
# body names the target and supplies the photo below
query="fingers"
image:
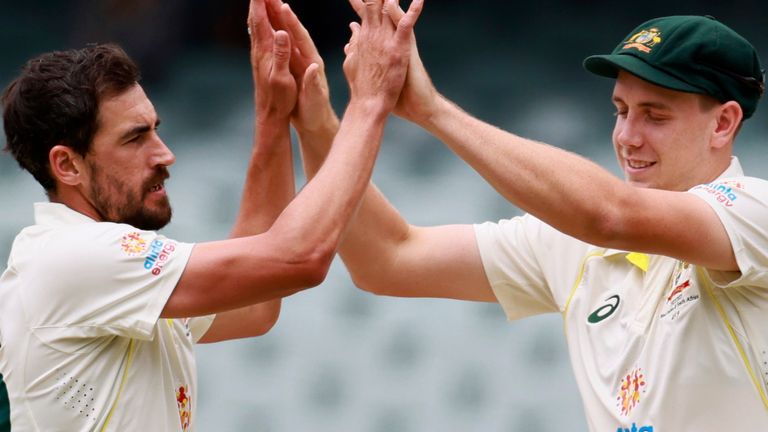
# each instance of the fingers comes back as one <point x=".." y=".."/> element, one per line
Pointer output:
<point x="372" y="11"/>
<point x="281" y="53"/>
<point x="349" y="47"/>
<point x="258" y="22"/>
<point x="275" y="15"/>
<point x="408" y="21"/>
<point x="312" y="81"/>
<point x="300" y="36"/>
<point x="358" y="6"/>
<point x="393" y="9"/>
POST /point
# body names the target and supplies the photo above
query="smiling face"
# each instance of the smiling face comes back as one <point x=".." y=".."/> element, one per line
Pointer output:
<point x="127" y="163"/>
<point x="662" y="137"/>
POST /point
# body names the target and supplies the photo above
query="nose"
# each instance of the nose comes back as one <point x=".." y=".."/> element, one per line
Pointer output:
<point x="626" y="132"/>
<point x="162" y="155"/>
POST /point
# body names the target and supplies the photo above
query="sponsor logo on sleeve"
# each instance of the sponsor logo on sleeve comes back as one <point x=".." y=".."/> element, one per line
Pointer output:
<point x="726" y="192"/>
<point x="158" y="255"/>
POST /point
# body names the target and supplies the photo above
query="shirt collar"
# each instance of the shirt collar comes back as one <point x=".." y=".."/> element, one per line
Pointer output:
<point x="56" y="214"/>
<point x="733" y="170"/>
<point x="641" y="260"/>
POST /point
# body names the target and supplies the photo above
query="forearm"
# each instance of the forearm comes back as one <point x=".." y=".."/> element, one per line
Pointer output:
<point x="318" y="216"/>
<point x="315" y="144"/>
<point x="250" y="321"/>
<point x="375" y="230"/>
<point x="580" y="200"/>
<point x="269" y="187"/>
<point x="269" y="184"/>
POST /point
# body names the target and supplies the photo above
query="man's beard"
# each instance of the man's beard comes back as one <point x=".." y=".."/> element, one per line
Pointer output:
<point x="116" y="203"/>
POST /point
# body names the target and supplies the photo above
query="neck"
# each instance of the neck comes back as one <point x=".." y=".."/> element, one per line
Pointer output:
<point x="74" y="198"/>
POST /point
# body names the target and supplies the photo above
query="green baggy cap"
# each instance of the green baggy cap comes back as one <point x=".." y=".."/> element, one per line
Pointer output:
<point x="694" y="54"/>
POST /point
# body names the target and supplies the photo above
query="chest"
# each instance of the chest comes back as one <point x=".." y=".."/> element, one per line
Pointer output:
<point x="641" y="338"/>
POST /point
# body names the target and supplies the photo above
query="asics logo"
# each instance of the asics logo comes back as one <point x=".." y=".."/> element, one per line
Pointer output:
<point x="606" y="310"/>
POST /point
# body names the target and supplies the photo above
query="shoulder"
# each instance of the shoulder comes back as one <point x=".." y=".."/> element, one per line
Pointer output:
<point x="93" y="246"/>
<point x="528" y="231"/>
<point x="734" y="191"/>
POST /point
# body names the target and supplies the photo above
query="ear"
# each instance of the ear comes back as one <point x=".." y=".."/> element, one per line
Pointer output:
<point x="67" y="166"/>
<point x="728" y="122"/>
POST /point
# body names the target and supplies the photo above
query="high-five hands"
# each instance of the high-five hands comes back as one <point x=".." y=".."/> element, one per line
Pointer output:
<point x="419" y="97"/>
<point x="270" y="58"/>
<point x="378" y="52"/>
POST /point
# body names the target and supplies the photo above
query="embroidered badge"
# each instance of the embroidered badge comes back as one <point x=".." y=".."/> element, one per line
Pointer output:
<point x="644" y="41"/>
<point x="631" y="389"/>
<point x="683" y="292"/>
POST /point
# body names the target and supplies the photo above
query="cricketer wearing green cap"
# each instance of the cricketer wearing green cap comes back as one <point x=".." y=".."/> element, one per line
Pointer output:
<point x="692" y="54"/>
<point x="661" y="279"/>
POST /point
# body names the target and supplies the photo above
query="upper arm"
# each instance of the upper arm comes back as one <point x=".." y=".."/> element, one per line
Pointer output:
<point x="250" y="321"/>
<point x="682" y="225"/>
<point x="440" y="262"/>
<point x="232" y="274"/>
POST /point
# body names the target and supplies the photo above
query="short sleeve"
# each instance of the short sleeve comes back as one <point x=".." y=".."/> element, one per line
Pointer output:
<point x="742" y="205"/>
<point x="198" y="326"/>
<point x="101" y="279"/>
<point x="520" y="258"/>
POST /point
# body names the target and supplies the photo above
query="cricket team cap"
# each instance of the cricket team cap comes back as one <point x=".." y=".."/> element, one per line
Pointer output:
<point x="695" y="54"/>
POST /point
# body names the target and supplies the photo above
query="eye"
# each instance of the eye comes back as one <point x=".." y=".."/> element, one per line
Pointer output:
<point x="655" y="118"/>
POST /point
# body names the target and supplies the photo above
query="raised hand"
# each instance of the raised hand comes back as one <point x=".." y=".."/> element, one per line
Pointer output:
<point x="419" y="97"/>
<point x="313" y="110"/>
<point x="378" y="53"/>
<point x="270" y="59"/>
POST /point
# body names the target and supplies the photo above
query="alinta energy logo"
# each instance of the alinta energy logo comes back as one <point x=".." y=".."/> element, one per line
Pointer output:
<point x="724" y="192"/>
<point x="631" y="390"/>
<point x="132" y="244"/>
<point x="158" y="255"/>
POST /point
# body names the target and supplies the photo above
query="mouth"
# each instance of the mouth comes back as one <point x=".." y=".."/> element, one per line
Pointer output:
<point x="636" y="164"/>
<point x="157" y="184"/>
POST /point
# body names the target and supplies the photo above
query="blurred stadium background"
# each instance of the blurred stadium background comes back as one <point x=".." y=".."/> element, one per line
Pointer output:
<point x="341" y="359"/>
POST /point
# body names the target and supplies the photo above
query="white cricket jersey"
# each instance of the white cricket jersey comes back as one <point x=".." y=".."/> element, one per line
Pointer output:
<point x="82" y="347"/>
<point x="657" y="345"/>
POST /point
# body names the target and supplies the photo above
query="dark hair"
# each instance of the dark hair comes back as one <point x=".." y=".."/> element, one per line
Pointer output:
<point x="55" y="100"/>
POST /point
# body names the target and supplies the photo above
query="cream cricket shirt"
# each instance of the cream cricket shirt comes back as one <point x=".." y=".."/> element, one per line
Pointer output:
<point x="82" y="347"/>
<point x="657" y="345"/>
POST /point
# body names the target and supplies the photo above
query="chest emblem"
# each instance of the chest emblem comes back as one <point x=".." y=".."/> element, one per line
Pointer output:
<point x="683" y="292"/>
<point x="631" y="390"/>
<point x="606" y="310"/>
<point x="185" y="407"/>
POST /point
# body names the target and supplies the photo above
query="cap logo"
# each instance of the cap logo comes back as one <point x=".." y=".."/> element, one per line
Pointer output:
<point x="644" y="40"/>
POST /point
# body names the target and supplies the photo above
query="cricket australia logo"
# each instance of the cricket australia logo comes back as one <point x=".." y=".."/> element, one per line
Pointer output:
<point x="644" y="40"/>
